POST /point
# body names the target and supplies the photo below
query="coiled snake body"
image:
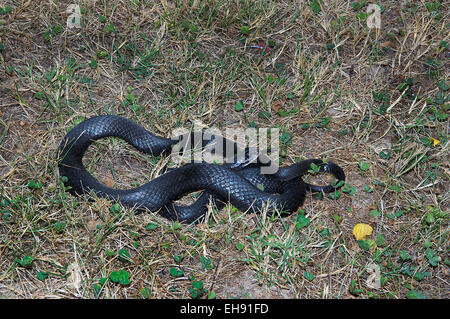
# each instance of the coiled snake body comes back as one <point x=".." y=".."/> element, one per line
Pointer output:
<point x="243" y="186"/>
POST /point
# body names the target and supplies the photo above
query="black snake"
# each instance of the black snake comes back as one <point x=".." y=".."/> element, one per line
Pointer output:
<point x="241" y="185"/>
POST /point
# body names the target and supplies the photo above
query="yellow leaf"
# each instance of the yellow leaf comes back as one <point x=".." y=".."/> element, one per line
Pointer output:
<point x="435" y="141"/>
<point x="361" y="231"/>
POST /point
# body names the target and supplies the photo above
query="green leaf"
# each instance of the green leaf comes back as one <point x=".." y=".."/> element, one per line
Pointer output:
<point x="57" y="29"/>
<point x="315" y="6"/>
<point x="442" y="85"/>
<point x="97" y="289"/>
<point x="429" y="253"/>
<point x="93" y="64"/>
<point x="115" y="209"/>
<point x="270" y="79"/>
<point x="363" y="166"/>
<point x="195" y="293"/>
<point x="39" y="95"/>
<point x="110" y="253"/>
<point x="122" y="277"/>
<point x="286" y="138"/>
<point x="398" y="213"/>
<point x="433" y="6"/>
<point x="283" y="113"/>
<point x="352" y="288"/>
<point x="109" y="28"/>
<point x="264" y="114"/>
<point x="380" y="241"/>
<point x="245" y="30"/>
<point x="323" y="122"/>
<point x="146" y="293"/>
<point x="374" y="213"/>
<point x="334" y="195"/>
<point x="366" y="244"/>
<point x="429" y="218"/>
<point x="151" y="226"/>
<point x="197" y="288"/>
<point x="385" y="155"/>
<point x="130" y="98"/>
<point x="404" y="256"/>
<point x="362" y="16"/>
<point x="206" y="263"/>
<point x="178" y="258"/>
<point x="447" y="261"/>
<point x="42" y="275"/>
<point x="34" y="185"/>
<point x="124" y="255"/>
<point x="239" y="246"/>
<point x="239" y="106"/>
<point x="301" y="222"/>
<point x="432" y="258"/>
<point x="348" y="189"/>
<point x="25" y="261"/>
<point x="308" y="276"/>
<point x="101" y="54"/>
<point x="114" y="276"/>
<point x="176" y="272"/>
<point x="413" y="294"/>
<point x="338" y="184"/>
<point x="427" y="244"/>
<point x="419" y="276"/>
<point x="314" y="168"/>
<point x="358" y="5"/>
<point x="176" y="225"/>
<point x="211" y="295"/>
<point x="337" y="218"/>
<point x="324" y="232"/>
<point x="60" y="226"/>
<point x="6" y="214"/>
<point x="305" y="126"/>
<point x="197" y="284"/>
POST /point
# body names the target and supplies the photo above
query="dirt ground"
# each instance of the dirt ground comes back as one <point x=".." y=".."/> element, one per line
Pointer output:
<point x="371" y="98"/>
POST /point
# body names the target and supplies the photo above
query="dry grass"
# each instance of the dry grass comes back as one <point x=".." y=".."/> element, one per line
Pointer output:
<point x="336" y="89"/>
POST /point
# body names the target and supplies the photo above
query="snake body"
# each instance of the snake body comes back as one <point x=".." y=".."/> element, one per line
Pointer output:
<point x="243" y="186"/>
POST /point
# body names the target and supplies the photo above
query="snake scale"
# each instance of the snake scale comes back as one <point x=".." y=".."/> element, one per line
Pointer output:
<point x="241" y="185"/>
